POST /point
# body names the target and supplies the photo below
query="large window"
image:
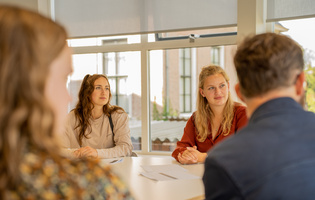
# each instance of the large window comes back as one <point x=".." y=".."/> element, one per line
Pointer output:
<point x="116" y="68"/>
<point x="117" y="79"/>
<point x="173" y="91"/>
<point x="167" y="75"/>
<point x="303" y="31"/>
<point x="128" y="59"/>
<point x="82" y="64"/>
<point x="124" y="80"/>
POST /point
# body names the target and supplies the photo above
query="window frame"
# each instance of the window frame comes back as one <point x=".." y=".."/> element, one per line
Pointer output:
<point x="184" y="75"/>
<point x="144" y="47"/>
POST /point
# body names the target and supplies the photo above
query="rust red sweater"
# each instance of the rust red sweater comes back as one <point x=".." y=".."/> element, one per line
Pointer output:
<point x="189" y="138"/>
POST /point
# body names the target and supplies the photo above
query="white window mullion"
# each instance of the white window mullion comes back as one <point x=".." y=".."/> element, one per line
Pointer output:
<point x="145" y="98"/>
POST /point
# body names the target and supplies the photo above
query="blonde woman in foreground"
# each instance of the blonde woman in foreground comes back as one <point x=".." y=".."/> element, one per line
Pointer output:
<point x="34" y="64"/>
<point x="217" y="117"/>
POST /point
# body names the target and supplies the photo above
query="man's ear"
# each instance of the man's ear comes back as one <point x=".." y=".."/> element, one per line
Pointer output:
<point x="238" y="92"/>
<point x="299" y="85"/>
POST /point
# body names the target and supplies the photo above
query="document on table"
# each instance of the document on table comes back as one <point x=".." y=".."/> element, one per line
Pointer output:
<point x="166" y="172"/>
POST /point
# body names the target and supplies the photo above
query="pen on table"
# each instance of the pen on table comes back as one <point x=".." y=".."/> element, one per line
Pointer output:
<point x="117" y="160"/>
<point x="168" y="175"/>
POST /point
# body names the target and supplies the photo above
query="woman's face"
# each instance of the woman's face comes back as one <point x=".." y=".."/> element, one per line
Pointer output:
<point x="215" y="90"/>
<point x="56" y="86"/>
<point x="100" y="95"/>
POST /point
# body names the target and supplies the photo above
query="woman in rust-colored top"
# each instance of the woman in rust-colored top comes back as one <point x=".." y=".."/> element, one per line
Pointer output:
<point x="217" y="117"/>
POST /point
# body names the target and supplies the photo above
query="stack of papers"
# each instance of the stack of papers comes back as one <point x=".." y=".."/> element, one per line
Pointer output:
<point x="166" y="172"/>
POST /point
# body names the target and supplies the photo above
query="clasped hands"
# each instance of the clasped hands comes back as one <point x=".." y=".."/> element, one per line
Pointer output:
<point x="85" y="152"/>
<point x="191" y="156"/>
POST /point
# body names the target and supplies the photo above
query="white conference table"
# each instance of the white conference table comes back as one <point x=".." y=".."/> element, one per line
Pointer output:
<point x="146" y="189"/>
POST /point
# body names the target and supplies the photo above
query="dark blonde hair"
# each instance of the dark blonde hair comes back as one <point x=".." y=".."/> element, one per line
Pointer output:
<point x="266" y="62"/>
<point x="84" y="107"/>
<point x="204" y="114"/>
<point x="29" y="43"/>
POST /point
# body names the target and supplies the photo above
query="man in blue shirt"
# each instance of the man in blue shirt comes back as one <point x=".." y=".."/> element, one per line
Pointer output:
<point x="273" y="157"/>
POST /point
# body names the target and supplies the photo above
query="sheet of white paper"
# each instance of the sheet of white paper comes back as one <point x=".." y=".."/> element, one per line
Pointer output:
<point x="163" y="168"/>
<point x="167" y="172"/>
<point x="156" y="176"/>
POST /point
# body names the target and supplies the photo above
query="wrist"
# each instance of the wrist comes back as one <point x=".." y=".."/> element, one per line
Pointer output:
<point x="202" y="157"/>
<point x="96" y="154"/>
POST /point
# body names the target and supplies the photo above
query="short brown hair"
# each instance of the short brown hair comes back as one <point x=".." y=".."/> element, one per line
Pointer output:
<point x="266" y="62"/>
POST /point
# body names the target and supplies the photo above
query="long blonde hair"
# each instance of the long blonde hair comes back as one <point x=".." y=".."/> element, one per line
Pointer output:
<point x="204" y="114"/>
<point x="29" y="43"/>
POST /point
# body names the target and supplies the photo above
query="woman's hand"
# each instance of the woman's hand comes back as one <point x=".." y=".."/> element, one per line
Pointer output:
<point x="201" y="157"/>
<point x="186" y="158"/>
<point x="191" y="156"/>
<point x="84" y="152"/>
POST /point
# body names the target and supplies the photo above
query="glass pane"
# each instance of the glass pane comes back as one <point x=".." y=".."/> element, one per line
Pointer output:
<point x="173" y="97"/>
<point x="215" y="55"/>
<point x="82" y="64"/>
<point x="151" y="37"/>
<point x="99" y="41"/>
<point x="110" y="63"/>
<point x="82" y="42"/>
<point x="124" y="102"/>
<point x="181" y="86"/>
<point x="181" y="103"/>
<point x="125" y="85"/>
<point x="112" y="83"/>
<point x="187" y="66"/>
<point x="187" y="103"/>
<point x="181" y="62"/>
<point x="113" y="100"/>
<point x="187" y="52"/>
<point x="187" y="86"/>
<point x="166" y="85"/>
<point x="303" y="31"/>
<point x="122" y="85"/>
